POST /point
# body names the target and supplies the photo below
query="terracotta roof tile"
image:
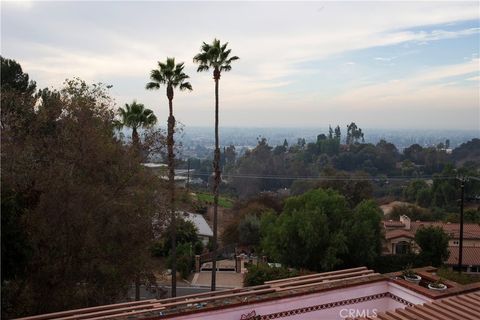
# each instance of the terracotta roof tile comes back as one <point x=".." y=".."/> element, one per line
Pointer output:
<point x="470" y="230"/>
<point x="397" y="233"/>
<point x="454" y="308"/>
<point x="270" y="290"/>
<point x="393" y="224"/>
<point x="471" y="256"/>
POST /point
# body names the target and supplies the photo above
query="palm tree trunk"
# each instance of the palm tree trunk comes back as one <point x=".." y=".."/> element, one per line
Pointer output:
<point x="216" y="185"/>
<point x="171" y="183"/>
<point x="135" y="137"/>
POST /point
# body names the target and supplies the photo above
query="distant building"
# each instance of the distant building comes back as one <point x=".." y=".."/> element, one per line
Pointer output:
<point x="400" y="239"/>
<point x="181" y="175"/>
<point x="204" y="230"/>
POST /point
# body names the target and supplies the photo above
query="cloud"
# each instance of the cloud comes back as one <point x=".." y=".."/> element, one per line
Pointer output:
<point x="278" y="44"/>
<point x="18" y="4"/>
<point x="475" y="78"/>
<point x="422" y="89"/>
<point x="387" y="59"/>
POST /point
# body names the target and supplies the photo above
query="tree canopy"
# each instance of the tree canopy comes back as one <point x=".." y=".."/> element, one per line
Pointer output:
<point x="135" y="116"/>
<point x="77" y="206"/>
<point x="319" y="231"/>
<point x="433" y="242"/>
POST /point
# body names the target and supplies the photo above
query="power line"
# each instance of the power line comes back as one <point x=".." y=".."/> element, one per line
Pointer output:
<point x="326" y="178"/>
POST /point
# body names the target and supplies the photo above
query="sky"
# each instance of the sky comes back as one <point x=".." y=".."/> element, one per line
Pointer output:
<point x="411" y="65"/>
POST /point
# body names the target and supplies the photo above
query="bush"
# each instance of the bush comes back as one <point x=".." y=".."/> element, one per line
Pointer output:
<point x="412" y="211"/>
<point x="434" y="244"/>
<point x="398" y="262"/>
<point x="157" y="249"/>
<point x="249" y="230"/>
<point x="258" y="274"/>
<point x="185" y="259"/>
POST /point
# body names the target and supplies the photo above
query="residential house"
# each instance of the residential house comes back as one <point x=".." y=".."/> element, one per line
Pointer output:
<point x="400" y="239"/>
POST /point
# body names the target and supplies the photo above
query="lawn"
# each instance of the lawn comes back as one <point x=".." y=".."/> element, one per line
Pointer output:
<point x="207" y="198"/>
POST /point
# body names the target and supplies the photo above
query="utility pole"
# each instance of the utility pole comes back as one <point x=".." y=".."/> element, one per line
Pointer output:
<point x="460" y="246"/>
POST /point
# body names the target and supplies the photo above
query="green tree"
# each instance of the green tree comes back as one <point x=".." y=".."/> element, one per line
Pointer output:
<point x="136" y="116"/>
<point x="354" y="134"/>
<point x="411" y="192"/>
<point x="433" y="242"/>
<point x="415" y="153"/>
<point x="13" y="78"/>
<point x="186" y="232"/>
<point x="17" y="115"/>
<point x="365" y="234"/>
<point x="17" y="97"/>
<point x="424" y="197"/>
<point x="249" y="230"/>
<point x="338" y="133"/>
<point x="84" y="208"/>
<point x="311" y="232"/>
<point x="170" y="75"/>
<point x="217" y="57"/>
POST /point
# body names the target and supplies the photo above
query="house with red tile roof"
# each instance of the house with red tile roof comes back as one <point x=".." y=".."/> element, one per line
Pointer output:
<point x="400" y="239"/>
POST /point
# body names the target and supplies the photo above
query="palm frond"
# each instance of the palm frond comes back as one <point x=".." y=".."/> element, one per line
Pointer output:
<point x="226" y="68"/>
<point x="202" y="67"/>
<point x="135" y="115"/>
<point x="215" y="55"/>
<point x="152" y="86"/>
<point x="185" y="86"/>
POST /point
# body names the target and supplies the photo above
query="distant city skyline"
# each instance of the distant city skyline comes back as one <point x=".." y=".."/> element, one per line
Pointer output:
<point x="379" y="64"/>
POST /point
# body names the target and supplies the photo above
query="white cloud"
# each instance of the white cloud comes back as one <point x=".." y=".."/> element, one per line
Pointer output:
<point x="119" y="43"/>
<point x="422" y="89"/>
<point x="476" y="78"/>
<point x="386" y="59"/>
<point x="18" y="4"/>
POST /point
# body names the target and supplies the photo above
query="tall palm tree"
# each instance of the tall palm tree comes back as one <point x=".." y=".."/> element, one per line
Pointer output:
<point x="171" y="76"/>
<point x="135" y="116"/>
<point x="217" y="57"/>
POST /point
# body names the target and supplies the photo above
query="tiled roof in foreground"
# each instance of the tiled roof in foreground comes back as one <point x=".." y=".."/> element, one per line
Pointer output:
<point x="461" y="307"/>
<point x="271" y="290"/>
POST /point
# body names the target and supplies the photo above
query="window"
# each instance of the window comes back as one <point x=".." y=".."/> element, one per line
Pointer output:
<point x="474" y="269"/>
<point x="402" y="247"/>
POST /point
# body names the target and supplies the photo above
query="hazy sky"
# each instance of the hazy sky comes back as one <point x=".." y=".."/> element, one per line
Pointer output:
<point x="380" y="64"/>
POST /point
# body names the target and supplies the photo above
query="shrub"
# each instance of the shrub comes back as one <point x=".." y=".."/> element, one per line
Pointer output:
<point x="393" y="263"/>
<point x="258" y="274"/>
<point x="185" y="259"/>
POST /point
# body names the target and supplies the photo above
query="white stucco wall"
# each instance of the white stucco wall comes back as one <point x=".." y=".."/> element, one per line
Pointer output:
<point x="368" y="307"/>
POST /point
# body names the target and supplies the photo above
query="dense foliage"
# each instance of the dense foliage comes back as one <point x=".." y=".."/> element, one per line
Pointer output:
<point x="258" y="274"/>
<point x="348" y="164"/>
<point x="433" y="242"/>
<point x="77" y="206"/>
<point x="319" y="231"/>
<point x="186" y="233"/>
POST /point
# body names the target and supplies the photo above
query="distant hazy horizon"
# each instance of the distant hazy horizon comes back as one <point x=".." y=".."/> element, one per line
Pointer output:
<point x="190" y="136"/>
<point x="380" y="64"/>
